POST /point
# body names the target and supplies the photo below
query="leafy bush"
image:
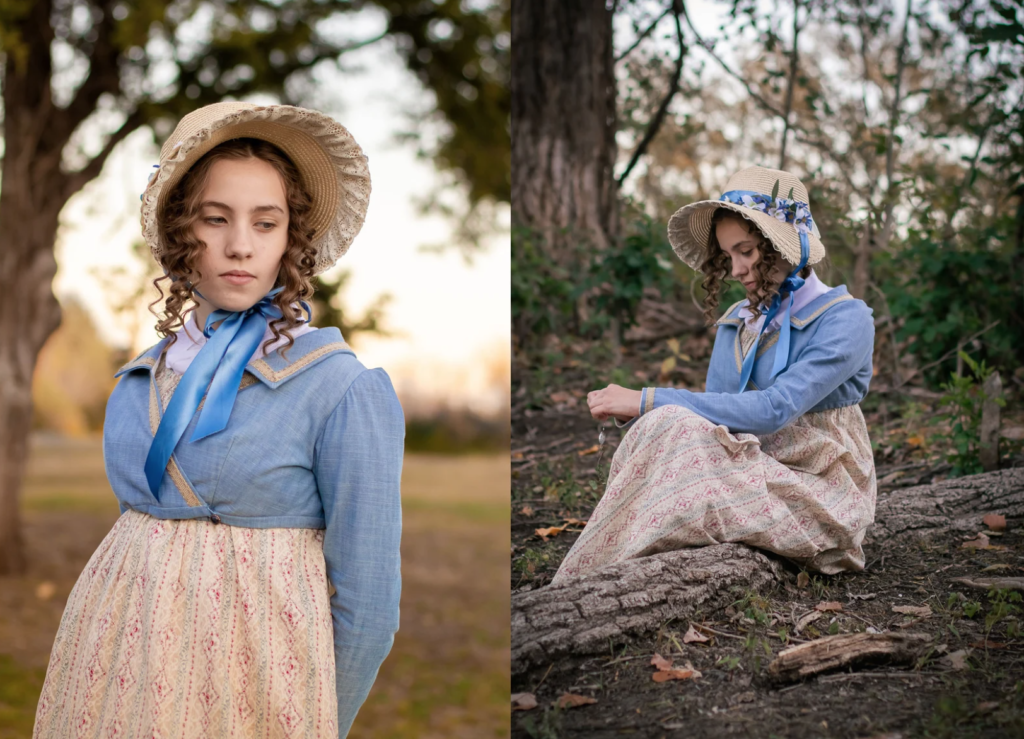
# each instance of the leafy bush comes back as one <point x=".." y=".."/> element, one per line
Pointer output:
<point x="618" y="278"/>
<point x="542" y="290"/>
<point x="945" y="293"/>
<point x="965" y="397"/>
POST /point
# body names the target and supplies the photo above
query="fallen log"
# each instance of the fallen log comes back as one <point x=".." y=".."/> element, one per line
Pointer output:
<point x="628" y="599"/>
<point x="843" y="651"/>
<point x="631" y="598"/>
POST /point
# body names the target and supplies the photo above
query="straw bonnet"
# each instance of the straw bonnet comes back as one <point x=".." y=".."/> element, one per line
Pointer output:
<point x="333" y="168"/>
<point x="774" y="200"/>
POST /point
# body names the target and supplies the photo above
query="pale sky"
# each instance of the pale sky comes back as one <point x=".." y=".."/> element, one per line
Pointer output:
<point x="454" y="319"/>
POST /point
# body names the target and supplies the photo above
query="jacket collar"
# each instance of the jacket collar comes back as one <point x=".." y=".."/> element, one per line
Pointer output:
<point x="273" y="370"/>
<point x="803" y="317"/>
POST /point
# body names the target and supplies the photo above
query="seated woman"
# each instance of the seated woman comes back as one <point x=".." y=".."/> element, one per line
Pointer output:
<point x="775" y="454"/>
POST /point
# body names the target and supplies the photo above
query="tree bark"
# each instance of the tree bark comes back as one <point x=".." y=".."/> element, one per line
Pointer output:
<point x="563" y="124"/>
<point x="846" y="650"/>
<point x="34" y="191"/>
<point x="638" y="596"/>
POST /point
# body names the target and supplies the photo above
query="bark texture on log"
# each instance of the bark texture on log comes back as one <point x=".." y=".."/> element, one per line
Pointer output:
<point x="846" y="650"/>
<point x="637" y="596"/>
<point x="955" y="505"/>
<point x="631" y="598"/>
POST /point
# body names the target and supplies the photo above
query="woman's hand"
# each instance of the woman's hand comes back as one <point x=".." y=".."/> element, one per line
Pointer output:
<point x="614" y="401"/>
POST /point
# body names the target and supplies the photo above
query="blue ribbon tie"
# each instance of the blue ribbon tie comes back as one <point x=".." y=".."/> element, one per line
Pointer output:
<point x="790" y="285"/>
<point x="218" y="366"/>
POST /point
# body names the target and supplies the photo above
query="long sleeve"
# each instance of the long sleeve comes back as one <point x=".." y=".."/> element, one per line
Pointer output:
<point x="835" y="353"/>
<point x="358" y="471"/>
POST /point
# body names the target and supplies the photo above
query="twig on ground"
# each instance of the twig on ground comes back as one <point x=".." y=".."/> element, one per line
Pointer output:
<point x="702" y="627"/>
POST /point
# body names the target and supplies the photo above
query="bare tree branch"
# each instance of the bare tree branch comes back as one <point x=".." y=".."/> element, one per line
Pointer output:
<point x="646" y="32"/>
<point x="77" y="180"/>
<point x="709" y="48"/>
<point x="890" y="152"/>
<point x="793" y="63"/>
<point x="673" y="88"/>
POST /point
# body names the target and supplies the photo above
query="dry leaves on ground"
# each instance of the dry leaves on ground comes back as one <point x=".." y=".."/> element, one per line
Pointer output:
<point x="591" y="450"/>
<point x="547" y="533"/>
<point x="571" y="700"/>
<point x="523" y="701"/>
<point x="919" y="611"/>
<point x="981" y="542"/>
<point x="829" y="605"/>
<point x="995" y="521"/>
<point x="803" y="580"/>
<point x="692" y="635"/>
<point x="956" y="660"/>
<point x="527" y="510"/>
<point x="667" y="672"/>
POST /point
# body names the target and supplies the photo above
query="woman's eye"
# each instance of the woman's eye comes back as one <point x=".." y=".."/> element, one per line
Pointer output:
<point x="266" y="225"/>
<point x="747" y="254"/>
<point x="215" y="220"/>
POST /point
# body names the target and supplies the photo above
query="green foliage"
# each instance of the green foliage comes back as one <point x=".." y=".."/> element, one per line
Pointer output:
<point x="965" y="397"/>
<point x="542" y="290"/>
<point x="329" y="309"/>
<point x="944" y="293"/>
<point x="619" y="277"/>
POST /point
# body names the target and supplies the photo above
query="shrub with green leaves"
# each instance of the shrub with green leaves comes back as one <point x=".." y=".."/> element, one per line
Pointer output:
<point x="965" y="397"/>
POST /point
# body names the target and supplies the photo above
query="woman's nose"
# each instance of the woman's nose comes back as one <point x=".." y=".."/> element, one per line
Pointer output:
<point x="239" y="242"/>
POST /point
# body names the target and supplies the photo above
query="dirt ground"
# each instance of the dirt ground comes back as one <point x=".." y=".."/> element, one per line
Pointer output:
<point x="447" y="675"/>
<point x="970" y="683"/>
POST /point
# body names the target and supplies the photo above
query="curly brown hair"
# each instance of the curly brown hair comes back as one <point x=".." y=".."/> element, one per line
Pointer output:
<point x="717" y="265"/>
<point x="183" y="250"/>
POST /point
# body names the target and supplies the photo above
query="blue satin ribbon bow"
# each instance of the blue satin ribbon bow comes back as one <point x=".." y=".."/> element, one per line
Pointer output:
<point x="790" y="285"/>
<point x="218" y="365"/>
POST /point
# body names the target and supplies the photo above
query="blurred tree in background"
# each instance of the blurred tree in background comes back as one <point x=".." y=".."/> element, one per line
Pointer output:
<point x="75" y="66"/>
<point x="905" y="119"/>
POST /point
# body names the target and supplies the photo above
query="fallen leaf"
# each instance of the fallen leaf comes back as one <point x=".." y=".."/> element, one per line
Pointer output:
<point x="544" y="534"/>
<point x="803" y="580"/>
<point x="665" y="675"/>
<point x="957" y="660"/>
<point x="863" y="596"/>
<point x="988" y="706"/>
<point x="830" y="605"/>
<point x="592" y="450"/>
<point x="575" y="522"/>
<point x="523" y="701"/>
<point x="527" y="510"/>
<point x="661" y="663"/>
<point x="922" y="611"/>
<point x="985" y="644"/>
<point x="571" y="700"/>
<point x="915" y="440"/>
<point x="673" y="345"/>
<point x="517" y="455"/>
<point x="995" y="521"/>
<point x="562" y="397"/>
<point x="45" y="590"/>
<point x="981" y="542"/>
<point x="668" y="365"/>
<point x="692" y="635"/>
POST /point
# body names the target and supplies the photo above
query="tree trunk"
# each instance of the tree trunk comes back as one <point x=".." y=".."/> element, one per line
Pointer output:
<point x="638" y="596"/>
<point x="563" y="124"/>
<point x="33" y="193"/>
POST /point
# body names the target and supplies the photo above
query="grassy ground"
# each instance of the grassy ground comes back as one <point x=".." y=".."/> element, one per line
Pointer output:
<point x="559" y="474"/>
<point x="447" y="675"/>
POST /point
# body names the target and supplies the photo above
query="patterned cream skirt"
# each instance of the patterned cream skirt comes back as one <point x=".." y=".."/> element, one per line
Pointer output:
<point x="194" y="629"/>
<point x="677" y="480"/>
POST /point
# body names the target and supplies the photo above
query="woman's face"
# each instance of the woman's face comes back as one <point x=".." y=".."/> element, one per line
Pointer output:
<point x="741" y="246"/>
<point x="243" y="221"/>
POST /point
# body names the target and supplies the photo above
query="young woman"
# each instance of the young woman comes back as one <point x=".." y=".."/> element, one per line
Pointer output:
<point x="775" y="453"/>
<point x="250" y="587"/>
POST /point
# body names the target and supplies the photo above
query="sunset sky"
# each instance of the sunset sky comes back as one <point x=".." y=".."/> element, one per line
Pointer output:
<point x="452" y="319"/>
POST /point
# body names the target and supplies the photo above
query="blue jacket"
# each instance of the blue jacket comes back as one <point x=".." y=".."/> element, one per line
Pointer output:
<point x="314" y="441"/>
<point x="829" y="367"/>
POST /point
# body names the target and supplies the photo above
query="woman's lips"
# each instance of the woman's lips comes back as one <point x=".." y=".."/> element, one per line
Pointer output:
<point x="238" y="279"/>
